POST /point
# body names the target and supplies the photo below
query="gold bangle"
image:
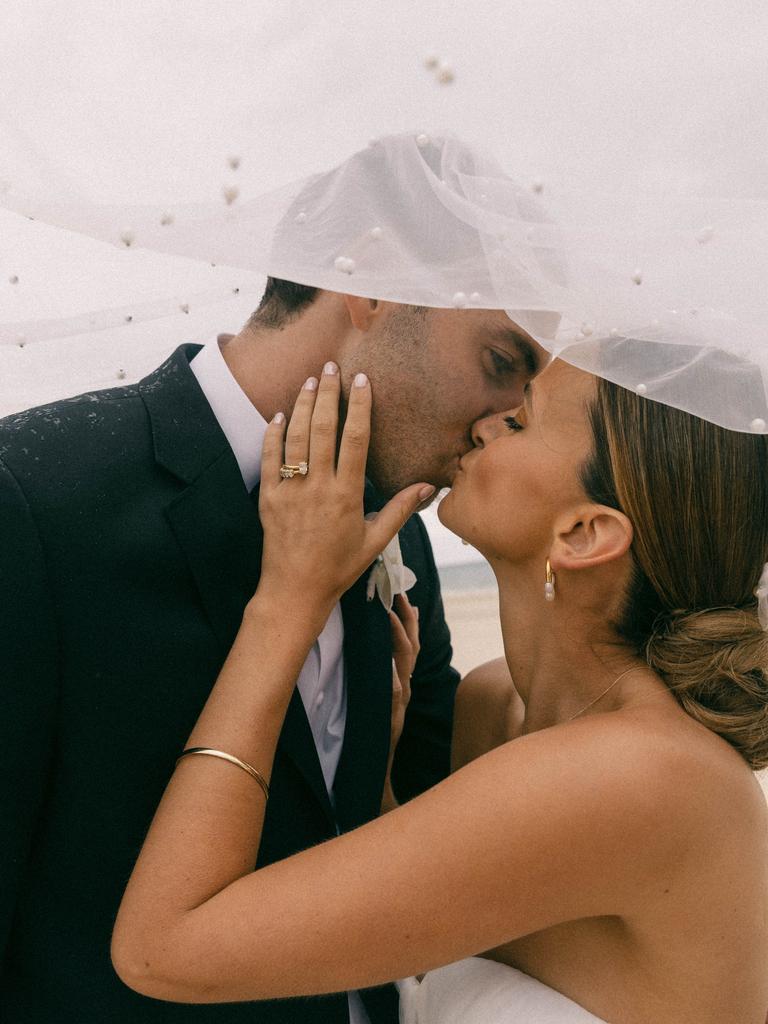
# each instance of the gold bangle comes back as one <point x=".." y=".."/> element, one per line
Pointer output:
<point x="232" y="760"/>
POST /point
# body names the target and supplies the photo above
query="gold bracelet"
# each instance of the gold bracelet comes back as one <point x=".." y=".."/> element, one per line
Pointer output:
<point x="232" y="760"/>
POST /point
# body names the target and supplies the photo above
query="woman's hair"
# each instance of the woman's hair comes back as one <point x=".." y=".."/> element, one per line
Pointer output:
<point x="697" y="497"/>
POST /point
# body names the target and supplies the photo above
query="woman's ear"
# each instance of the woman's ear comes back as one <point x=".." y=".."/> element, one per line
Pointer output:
<point x="362" y="312"/>
<point x="590" y="535"/>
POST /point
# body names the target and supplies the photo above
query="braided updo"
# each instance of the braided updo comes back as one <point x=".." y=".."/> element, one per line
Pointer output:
<point x="697" y="496"/>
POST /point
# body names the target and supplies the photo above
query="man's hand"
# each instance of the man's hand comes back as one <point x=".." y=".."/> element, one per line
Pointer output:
<point x="404" y="620"/>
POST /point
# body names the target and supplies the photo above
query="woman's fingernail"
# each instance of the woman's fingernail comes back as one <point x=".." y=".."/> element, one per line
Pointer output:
<point x="426" y="492"/>
<point x="279" y="418"/>
<point x="311" y="384"/>
<point x="330" y="369"/>
<point x="361" y="380"/>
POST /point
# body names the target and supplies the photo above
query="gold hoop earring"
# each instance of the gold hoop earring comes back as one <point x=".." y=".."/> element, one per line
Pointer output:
<point x="549" y="586"/>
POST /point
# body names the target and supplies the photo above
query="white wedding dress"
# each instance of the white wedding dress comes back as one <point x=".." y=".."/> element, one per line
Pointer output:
<point x="477" y="991"/>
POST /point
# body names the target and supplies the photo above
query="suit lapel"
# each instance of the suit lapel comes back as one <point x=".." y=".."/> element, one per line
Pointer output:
<point x="368" y="659"/>
<point x="216" y="524"/>
<point x="298" y="744"/>
<point x="217" y="527"/>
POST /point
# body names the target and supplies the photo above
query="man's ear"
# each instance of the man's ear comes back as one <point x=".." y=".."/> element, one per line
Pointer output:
<point x="590" y="535"/>
<point x="362" y="312"/>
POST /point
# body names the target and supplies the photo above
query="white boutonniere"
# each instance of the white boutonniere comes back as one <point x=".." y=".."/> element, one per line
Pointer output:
<point x="389" y="576"/>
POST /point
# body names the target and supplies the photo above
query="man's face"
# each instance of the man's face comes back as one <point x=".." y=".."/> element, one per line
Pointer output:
<point x="435" y="372"/>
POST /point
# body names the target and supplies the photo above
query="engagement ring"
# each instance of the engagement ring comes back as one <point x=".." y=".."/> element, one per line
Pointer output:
<point x="287" y="472"/>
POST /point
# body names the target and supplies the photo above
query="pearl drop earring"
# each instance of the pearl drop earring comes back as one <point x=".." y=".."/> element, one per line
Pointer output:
<point x="549" y="586"/>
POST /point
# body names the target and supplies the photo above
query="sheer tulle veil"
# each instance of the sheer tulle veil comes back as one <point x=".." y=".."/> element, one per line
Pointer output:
<point x="596" y="170"/>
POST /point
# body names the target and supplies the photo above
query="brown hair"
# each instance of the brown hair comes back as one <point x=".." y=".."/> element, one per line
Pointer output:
<point x="697" y="496"/>
<point x="281" y="302"/>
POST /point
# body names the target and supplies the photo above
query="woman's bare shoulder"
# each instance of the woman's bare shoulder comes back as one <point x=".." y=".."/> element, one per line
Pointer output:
<point x="494" y="672"/>
<point x="488" y="712"/>
<point x="662" y="761"/>
<point x="653" y="756"/>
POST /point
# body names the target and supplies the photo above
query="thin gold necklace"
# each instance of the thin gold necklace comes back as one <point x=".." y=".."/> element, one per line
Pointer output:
<point x="601" y="695"/>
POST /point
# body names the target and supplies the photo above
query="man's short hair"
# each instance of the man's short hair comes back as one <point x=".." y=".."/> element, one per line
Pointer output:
<point x="282" y="302"/>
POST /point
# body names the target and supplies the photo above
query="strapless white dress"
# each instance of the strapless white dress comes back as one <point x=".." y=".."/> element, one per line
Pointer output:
<point x="477" y="991"/>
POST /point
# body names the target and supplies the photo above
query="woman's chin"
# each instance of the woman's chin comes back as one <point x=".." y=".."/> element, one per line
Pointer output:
<point x="444" y="511"/>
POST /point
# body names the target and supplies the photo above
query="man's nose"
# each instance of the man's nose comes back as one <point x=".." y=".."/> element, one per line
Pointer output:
<point x="489" y="428"/>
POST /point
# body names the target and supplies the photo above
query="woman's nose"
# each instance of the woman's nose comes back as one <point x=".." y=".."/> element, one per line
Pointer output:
<point x="488" y="428"/>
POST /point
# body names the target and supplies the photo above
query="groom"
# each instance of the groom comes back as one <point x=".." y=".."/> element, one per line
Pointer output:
<point x="130" y="546"/>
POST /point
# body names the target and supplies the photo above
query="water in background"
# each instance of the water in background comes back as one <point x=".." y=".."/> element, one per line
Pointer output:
<point x="469" y="576"/>
<point x="471" y="601"/>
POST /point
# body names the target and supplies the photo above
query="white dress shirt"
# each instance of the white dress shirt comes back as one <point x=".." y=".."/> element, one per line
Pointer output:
<point x="322" y="682"/>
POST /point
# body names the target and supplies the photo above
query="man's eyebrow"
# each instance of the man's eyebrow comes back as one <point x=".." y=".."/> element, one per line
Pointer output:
<point x="523" y="346"/>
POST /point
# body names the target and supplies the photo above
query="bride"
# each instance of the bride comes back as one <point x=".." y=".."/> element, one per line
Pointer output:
<point x="601" y="851"/>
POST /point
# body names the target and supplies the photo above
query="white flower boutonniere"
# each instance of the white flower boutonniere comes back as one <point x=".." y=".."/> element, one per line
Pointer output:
<point x="389" y="576"/>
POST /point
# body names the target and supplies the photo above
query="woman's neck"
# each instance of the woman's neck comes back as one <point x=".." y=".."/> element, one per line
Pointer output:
<point x="562" y="658"/>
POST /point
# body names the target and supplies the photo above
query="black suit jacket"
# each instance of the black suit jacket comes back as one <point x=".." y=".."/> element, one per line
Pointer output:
<point x="128" y="550"/>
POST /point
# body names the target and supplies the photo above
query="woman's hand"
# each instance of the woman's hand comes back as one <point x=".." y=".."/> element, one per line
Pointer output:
<point x="316" y="540"/>
<point x="404" y="620"/>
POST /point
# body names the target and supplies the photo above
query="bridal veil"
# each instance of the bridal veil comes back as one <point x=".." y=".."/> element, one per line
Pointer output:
<point x="596" y="170"/>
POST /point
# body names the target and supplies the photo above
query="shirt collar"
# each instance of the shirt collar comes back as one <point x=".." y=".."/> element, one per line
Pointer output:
<point x="243" y="425"/>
